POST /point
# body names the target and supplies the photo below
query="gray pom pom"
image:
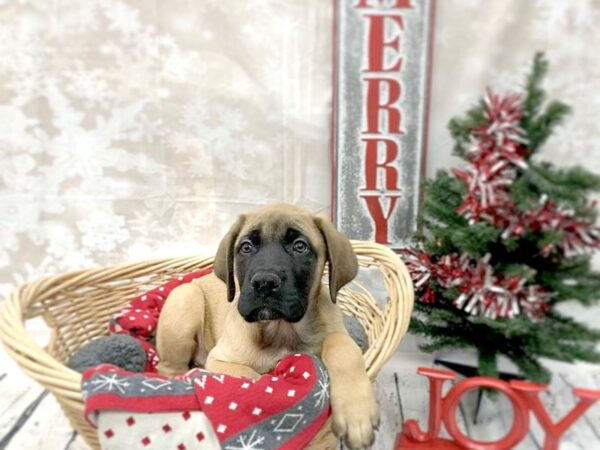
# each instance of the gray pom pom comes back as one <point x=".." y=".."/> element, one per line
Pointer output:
<point x="119" y="349"/>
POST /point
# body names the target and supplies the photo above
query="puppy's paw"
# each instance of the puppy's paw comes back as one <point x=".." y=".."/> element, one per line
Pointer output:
<point x="244" y="372"/>
<point x="237" y="370"/>
<point x="355" y="415"/>
<point x="170" y="370"/>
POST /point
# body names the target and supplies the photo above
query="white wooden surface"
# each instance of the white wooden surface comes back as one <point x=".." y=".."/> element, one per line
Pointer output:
<point x="38" y="423"/>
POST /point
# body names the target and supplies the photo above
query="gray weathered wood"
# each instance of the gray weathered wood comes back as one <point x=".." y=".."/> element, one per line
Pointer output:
<point x="47" y="428"/>
<point x="17" y="393"/>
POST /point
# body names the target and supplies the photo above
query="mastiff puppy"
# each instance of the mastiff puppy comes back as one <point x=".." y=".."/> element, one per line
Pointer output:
<point x="265" y="300"/>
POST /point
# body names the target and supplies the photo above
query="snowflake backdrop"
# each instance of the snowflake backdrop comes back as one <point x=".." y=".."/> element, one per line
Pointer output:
<point x="140" y="129"/>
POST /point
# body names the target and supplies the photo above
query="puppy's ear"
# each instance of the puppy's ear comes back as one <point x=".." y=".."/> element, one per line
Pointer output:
<point x="223" y="265"/>
<point x="343" y="265"/>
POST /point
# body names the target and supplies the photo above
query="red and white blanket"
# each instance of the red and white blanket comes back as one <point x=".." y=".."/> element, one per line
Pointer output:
<point x="282" y="410"/>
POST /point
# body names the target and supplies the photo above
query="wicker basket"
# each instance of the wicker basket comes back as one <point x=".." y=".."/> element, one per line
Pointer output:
<point x="78" y="305"/>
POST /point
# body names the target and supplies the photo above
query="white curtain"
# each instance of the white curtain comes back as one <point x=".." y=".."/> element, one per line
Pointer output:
<point x="138" y="129"/>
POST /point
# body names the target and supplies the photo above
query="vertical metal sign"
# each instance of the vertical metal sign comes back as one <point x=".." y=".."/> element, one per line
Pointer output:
<point x="381" y="90"/>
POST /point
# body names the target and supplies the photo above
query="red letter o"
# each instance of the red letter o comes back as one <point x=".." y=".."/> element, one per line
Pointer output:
<point x="520" y="414"/>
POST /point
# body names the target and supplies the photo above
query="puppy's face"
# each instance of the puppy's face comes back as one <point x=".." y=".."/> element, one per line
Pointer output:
<point x="276" y="267"/>
<point x="277" y="256"/>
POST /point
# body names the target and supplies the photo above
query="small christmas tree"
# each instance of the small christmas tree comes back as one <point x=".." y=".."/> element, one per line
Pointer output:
<point x="506" y="239"/>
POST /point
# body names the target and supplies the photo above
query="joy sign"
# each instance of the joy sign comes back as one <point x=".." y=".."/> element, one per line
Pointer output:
<point x="523" y="396"/>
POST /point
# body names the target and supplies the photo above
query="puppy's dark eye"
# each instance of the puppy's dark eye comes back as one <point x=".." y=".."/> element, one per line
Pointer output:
<point x="246" y="247"/>
<point x="300" y="246"/>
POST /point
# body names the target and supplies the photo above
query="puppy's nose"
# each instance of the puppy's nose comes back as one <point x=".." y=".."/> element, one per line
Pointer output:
<point x="265" y="282"/>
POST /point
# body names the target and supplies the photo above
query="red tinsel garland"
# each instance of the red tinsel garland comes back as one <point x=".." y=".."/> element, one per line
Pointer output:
<point x="499" y="147"/>
<point x="481" y="291"/>
<point x="577" y="234"/>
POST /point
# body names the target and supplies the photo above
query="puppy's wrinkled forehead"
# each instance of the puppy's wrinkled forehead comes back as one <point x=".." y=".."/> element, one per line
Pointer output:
<point x="275" y="225"/>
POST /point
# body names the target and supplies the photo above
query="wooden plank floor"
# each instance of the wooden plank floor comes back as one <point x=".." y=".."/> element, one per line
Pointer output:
<point x="30" y="419"/>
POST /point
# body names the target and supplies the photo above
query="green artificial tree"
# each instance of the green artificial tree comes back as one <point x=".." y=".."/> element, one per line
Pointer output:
<point x="506" y="239"/>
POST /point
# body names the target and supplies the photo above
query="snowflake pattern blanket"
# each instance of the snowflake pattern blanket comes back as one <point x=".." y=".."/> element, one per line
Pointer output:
<point x="281" y="410"/>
